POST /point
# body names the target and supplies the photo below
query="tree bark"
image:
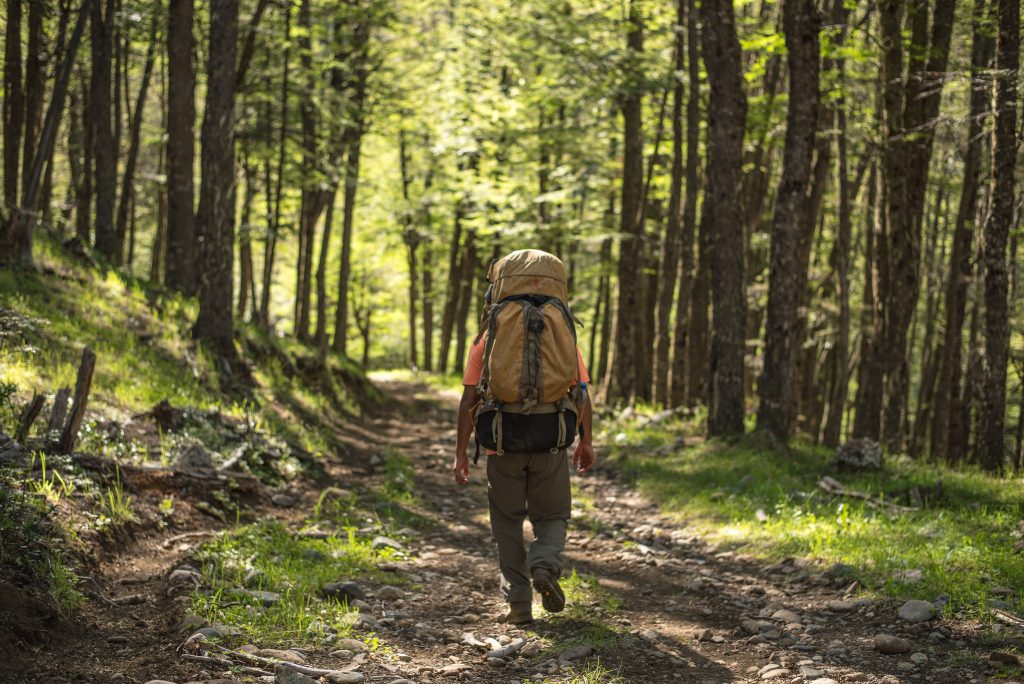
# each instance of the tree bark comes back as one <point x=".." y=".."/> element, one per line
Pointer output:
<point x="309" y="211"/>
<point x="629" y="334"/>
<point x="669" y="266"/>
<point x="351" y="185"/>
<point x="128" y="178"/>
<point x="682" y="341"/>
<point x="14" y="102"/>
<point x="274" y="218"/>
<point x="412" y="240"/>
<point x="104" y="153"/>
<point x="181" y="113"/>
<point x="727" y="114"/>
<point x="453" y="293"/>
<point x="466" y="287"/>
<point x="245" y="266"/>
<point x="216" y="220"/>
<point x="801" y="31"/>
<point x="34" y="85"/>
<point x="321" y="277"/>
<point x="990" y="446"/>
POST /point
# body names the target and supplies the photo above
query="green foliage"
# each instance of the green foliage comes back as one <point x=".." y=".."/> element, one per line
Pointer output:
<point x="268" y="557"/>
<point x="959" y="540"/>
<point x="115" y="504"/>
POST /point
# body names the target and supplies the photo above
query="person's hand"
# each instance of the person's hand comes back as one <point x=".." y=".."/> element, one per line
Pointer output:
<point x="461" y="468"/>
<point x="583" y="458"/>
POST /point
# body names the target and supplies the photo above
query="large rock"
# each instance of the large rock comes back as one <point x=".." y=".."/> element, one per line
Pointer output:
<point x="354" y="645"/>
<point x="343" y="591"/>
<point x="917" y="611"/>
<point x="891" y="645"/>
<point x="389" y="593"/>
<point x="859" y="454"/>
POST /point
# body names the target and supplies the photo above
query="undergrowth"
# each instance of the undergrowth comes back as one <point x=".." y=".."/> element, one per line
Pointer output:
<point x="267" y="557"/>
<point x="748" y="496"/>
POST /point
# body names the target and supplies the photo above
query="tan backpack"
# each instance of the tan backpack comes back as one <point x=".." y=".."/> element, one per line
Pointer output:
<point x="529" y="359"/>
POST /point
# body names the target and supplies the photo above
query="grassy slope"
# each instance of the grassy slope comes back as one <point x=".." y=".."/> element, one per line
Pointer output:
<point x="745" y="495"/>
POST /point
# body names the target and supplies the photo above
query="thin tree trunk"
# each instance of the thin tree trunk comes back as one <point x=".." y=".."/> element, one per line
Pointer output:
<point x="466" y="287"/>
<point x="34" y="87"/>
<point x="14" y="102"/>
<point x="216" y="224"/>
<point x="181" y="114"/>
<point x="83" y="196"/>
<point x="776" y="390"/>
<point x="991" y="444"/>
<point x="321" y="277"/>
<point x="727" y="115"/>
<point x="428" y="307"/>
<point x="840" y="255"/>
<point x="669" y="266"/>
<point x="605" y="288"/>
<point x="274" y="218"/>
<point x="104" y="153"/>
<point x="629" y="334"/>
<point x="453" y="293"/>
<point x="308" y="212"/>
<point x="351" y="185"/>
<point x="128" y="178"/>
<point x="412" y="240"/>
<point x="245" y="266"/>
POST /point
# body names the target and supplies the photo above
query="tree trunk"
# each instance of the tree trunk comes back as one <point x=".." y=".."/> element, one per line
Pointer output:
<point x="727" y="114"/>
<point x="466" y="287"/>
<point x="309" y="211"/>
<point x="216" y="224"/>
<point x="274" y="216"/>
<point x="83" y="195"/>
<point x="990" y="447"/>
<point x="840" y="255"/>
<point x="35" y="75"/>
<point x="321" y="277"/>
<point x="669" y="266"/>
<point x="453" y="293"/>
<point x="776" y="390"/>
<point x="629" y="335"/>
<point x="128" y="178"/>
<point x="245" y="267"/>
<point x="682" y="340"/>
<point x="104" y="153"/>
<point x="605" y="292"/>
<point x="14" y="102"/>
<point x="412" y="240"/>
<point x="351" y="185"/>
<point x="428" y="306"/>
<point x="181" y="113"/>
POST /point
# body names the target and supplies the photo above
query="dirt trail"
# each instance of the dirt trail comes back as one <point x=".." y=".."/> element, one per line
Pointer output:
<point x="667" y="607"/>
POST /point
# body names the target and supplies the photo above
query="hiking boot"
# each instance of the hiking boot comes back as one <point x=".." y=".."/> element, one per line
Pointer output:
<point x="519" y="613"/>
<point x="552" y="596"/>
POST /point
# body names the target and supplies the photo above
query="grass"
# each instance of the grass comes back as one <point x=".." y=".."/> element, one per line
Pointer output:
<point x="961" y="541"/>
<point x="267" y="557"/>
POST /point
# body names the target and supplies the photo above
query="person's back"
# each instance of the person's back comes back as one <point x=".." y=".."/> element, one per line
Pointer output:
<point x="525" y="395"/>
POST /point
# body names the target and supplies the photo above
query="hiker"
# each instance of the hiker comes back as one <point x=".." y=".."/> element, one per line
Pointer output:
<point x="525" y="395"/>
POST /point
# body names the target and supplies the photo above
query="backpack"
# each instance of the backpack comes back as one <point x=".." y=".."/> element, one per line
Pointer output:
<point x="530" y="359"/>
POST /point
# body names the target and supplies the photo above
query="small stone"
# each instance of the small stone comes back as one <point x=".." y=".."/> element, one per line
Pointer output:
<point x="704" y="635"/>
<point x="381" y="542"/>
<point x="267" y="598"/>
<point x="837" y="606"/>
<point x="283" y="500"/>
<point x="917" y="611"/>
<point x="531" y="649"/>
<point x="918" y="658"/>
<point x="905" y="666"/>
<point x="823" y="680"/>
<point x="118" y="639"/>
<point x="159" y="681"/>
<point x="390" y="593"/>
<point x="776" y="674"/>
<point x="576" y="652"/>
<point x="189" y="623"/>
<point x="886" y="643"/>
<point x="345" y="677"/>
<point x="184" y="576"/>
<point x="786" y="616"/>
<point x="343" y="591"/>
<point x="286" y="675"/>
<point x="193" y="456"/>
<point x="889" y="679"/>
<point x="496" y="662"/>
<point x="129" y="600"/>
<point x="455" y="668"/>
<point x="278" y="654"/>
<point x="354" y="645"/>
<point x="809" y="673"/>
<point x="768" y="668"/>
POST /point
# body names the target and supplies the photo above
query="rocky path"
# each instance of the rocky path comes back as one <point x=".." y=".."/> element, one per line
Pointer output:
<point x="656" y="603"/>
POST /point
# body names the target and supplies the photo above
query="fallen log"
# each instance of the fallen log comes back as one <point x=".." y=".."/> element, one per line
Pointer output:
<point x="834" y="487"/>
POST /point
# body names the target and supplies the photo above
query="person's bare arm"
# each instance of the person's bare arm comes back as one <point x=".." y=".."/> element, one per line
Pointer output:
<point x="583" y="458"/>
<point x="469" y="400"/>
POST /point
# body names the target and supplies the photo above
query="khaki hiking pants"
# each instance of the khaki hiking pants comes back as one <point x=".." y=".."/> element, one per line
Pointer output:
<point x="534" y="485"/>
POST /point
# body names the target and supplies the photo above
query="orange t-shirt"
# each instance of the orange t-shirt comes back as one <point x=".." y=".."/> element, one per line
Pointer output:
<point x="475" y="364"/>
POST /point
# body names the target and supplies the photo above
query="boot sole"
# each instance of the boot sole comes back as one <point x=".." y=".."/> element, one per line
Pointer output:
<point x="551" y="594"/>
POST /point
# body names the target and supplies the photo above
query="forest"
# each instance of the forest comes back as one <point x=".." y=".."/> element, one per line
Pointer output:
<point x="791" y="230"/>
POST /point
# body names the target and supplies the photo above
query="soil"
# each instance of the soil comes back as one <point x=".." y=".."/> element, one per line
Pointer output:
<point x="685" y="614"/>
